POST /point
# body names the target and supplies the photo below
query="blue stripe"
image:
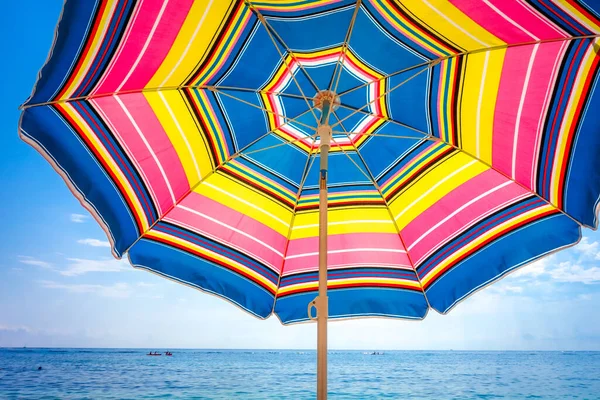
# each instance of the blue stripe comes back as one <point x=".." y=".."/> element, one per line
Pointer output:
<point x="76" y="17"/>
<point x="203" y="274"/>
<point x="48" y="129"/>
<point x="506" y="254"/>
<point x="477" y="230"/>
<point x="356" y="302"/>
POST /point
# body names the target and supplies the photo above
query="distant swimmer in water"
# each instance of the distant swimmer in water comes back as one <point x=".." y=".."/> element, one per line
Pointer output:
<point x="39" y="368"/>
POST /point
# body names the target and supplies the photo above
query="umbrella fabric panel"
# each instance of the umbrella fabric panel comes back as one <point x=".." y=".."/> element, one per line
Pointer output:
<point x="436" y="171"/>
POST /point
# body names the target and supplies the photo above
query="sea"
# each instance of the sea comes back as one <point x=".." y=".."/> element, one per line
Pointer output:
<point x="291" y="374"/>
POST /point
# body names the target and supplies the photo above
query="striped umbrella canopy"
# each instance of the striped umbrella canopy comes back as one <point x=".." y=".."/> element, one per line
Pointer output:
<point x="417" y="151"/>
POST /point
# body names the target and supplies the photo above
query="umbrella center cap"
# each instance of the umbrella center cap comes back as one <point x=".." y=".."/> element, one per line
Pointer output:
<point x="324" y="95"/>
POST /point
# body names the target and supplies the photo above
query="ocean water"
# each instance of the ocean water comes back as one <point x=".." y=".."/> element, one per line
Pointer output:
<point x="259" y="374"/>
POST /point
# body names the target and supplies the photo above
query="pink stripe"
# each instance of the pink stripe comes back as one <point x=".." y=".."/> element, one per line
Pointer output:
<point x="159" y="141"/>
<point x="502" y="28"/>
<point x="137" y="150"/>
<point x="535" y="108"/>
<point x="512" y="80"/>
<point x="346" y="242"/>
<point x="232" y="218"/>
<point x="158" y="48"/>
<point x="450" y="203"/>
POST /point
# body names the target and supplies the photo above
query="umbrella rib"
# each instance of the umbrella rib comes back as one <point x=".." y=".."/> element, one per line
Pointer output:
<point x="393" y="121"/>
<point x="475" y="51"/>
<point x="340" y="62"/>
<point x="203" y="179"/>
<point x="387" y="207"/>
<point x="285" y="143"/>
<point x="387" y="92"/>
<point x="428" y="137"/>
<point x="271" y="32"/>
<point x="289" y="234"/>
<point x="261" y="108"/>
<point x="156" y="89"/>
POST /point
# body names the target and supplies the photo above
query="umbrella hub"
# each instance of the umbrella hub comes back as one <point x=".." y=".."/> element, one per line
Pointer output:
<point x="326" y="95"/>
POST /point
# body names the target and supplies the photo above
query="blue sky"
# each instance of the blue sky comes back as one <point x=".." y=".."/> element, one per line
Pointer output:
<point x="59" y="285"/>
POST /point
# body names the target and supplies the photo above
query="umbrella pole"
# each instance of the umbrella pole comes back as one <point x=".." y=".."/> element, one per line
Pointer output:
<point x="324" y="131"/>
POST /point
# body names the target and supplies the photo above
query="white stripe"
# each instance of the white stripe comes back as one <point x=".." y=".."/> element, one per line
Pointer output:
<point x="476" y="199"/>
<point x="146" y="44"/>
<point x="506" y="17"/>
<point x="484" y="44"/>
<point x="520" y="110"/>
<point x="479" y="102"/>
<point x="139" y="131"/>
<point x="431" y="189"/>
<point x="187" y="144"/>
<point x="218" y="189"/>
<point x="349" y="222"/>
<point x="216" y="221"/>
<point x="316" y="253"/>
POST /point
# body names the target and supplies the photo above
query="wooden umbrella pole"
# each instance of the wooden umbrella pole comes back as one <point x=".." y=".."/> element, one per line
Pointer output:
<point x="324" y="131"/>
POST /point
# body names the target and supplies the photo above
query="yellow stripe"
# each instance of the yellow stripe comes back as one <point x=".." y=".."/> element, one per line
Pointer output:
<point x="479" y="94"/>
<point x="458" y="28"/>
<point x="246" y="201"/>
<point x="419" y="197"/>
<point x="175" y="69"/>
<point x="347" y="220"/>
<point x="183" y="133"/>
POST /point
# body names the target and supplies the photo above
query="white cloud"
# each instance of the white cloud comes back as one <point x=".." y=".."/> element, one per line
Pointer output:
<point x="591" y="250"/>
<point x="80" y="266"/>
<point x="534" y="269"/>
<point x="79" y="218"/>
<point x="34" y="261"/>
<point x="146" y="284"/>
<point x="94" y="242"/>
<point x="118" y="290"/>
<point x="573" y="273"/>
<point x="585" y="297"/>
<point x="512" y="289"/>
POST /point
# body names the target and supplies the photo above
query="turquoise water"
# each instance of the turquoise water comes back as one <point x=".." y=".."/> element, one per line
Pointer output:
<point x="209" y="374"/>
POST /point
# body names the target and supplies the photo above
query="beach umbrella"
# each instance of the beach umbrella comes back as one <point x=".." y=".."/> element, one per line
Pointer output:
<point x="327" y="159"/>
